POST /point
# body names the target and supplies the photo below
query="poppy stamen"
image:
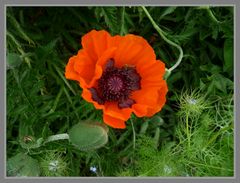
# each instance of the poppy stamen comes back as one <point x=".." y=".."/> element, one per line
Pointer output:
<point x="116" y="85"/>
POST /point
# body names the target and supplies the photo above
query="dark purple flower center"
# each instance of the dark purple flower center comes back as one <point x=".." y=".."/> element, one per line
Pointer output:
<point x="116" y="85"/>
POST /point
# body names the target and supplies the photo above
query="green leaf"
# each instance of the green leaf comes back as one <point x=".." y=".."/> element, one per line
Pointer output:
<point x="185" y="35"/>
<point x="123" y="29"/>
<point x="156" y="138"/>
<point x="44" y="51"/>
<point x="211" y="68"/>
<point x="98" y="13"/>
<point x="19" y="29"/>
<point x="228" y="55"/>
<point x="167" y="11"/>
<point x="70" y="40"/>
<point x="204" y="34"/>
<point x="110" y="17"/>
<point x="156" y="120"/>
<point x="88" y="136"/>
<point x="141" y="14"/>
<point x="129" y="21"/>
<point x="13" y="60"/>
<point x="22" y="165"/>
<point x="215" y="31"/>
<point x="144" y="127"/>
<point x="222" y="82"/>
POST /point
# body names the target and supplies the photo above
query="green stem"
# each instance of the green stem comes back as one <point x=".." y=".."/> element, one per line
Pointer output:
<point x="19" y="47"/>
<point x="64" y="79"/>
<point x="187" y="131"/>
<point x="161" y="33"/>
<point x="156" y="137"/>
<point x="19" y="29"/>
<point x="212" y="15"/>
<point x="122" y="21"/>
<point x="16" y="76"/>
<point x="56" y="101"/>
<point x="63" y="136"/>
<point x="134" y="145"/>
<point x="210" y="166"/>
<point x="217" y="134"/>
<point x="134" y="136"/>
<point x="71" y="103"/>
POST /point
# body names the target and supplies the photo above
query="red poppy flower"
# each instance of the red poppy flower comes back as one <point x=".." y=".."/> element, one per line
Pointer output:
<point x="120" y="75"/>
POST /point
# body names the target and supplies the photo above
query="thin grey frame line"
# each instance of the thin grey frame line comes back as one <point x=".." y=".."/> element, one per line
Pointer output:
<point x="235" y="87"/>
<point x="158" y="177"/>
<point x="5" y="96"/>
<point x="131" y="177"/>
<point x="120" y="5"/>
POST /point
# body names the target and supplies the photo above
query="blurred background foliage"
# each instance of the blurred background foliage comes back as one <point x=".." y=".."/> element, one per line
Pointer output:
<point x="41" y="102"/>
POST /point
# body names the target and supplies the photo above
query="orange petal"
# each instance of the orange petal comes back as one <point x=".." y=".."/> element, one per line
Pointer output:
<point x="114" y="122"/>
<point x="152" y="102"/>
<point x="145" y="97"/>
<point x="98" y="68"/>
<point x="115" y="41"/>
<point x="95" y="43"/>
<point x="140" y="110"/>
<point x="153" y="71"/>
<point x="111" y="109"/>
<point x="134" y="50"/>
<point x="87" y="71"/>
<point x="84" y="67"/>
<point x="160" y="101"/>
<point x="86" y="94"/>
<point x="70" y="73"/>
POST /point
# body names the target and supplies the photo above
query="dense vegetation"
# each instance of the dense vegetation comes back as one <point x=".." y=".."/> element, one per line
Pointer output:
<point x="191" y="136"/>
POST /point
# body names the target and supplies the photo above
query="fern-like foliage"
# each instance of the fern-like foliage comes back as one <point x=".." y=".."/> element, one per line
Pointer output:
<point x="110" y="17"/>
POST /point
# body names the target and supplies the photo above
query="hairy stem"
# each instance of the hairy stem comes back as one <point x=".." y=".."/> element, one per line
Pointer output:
<point x="63" y="136"/>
